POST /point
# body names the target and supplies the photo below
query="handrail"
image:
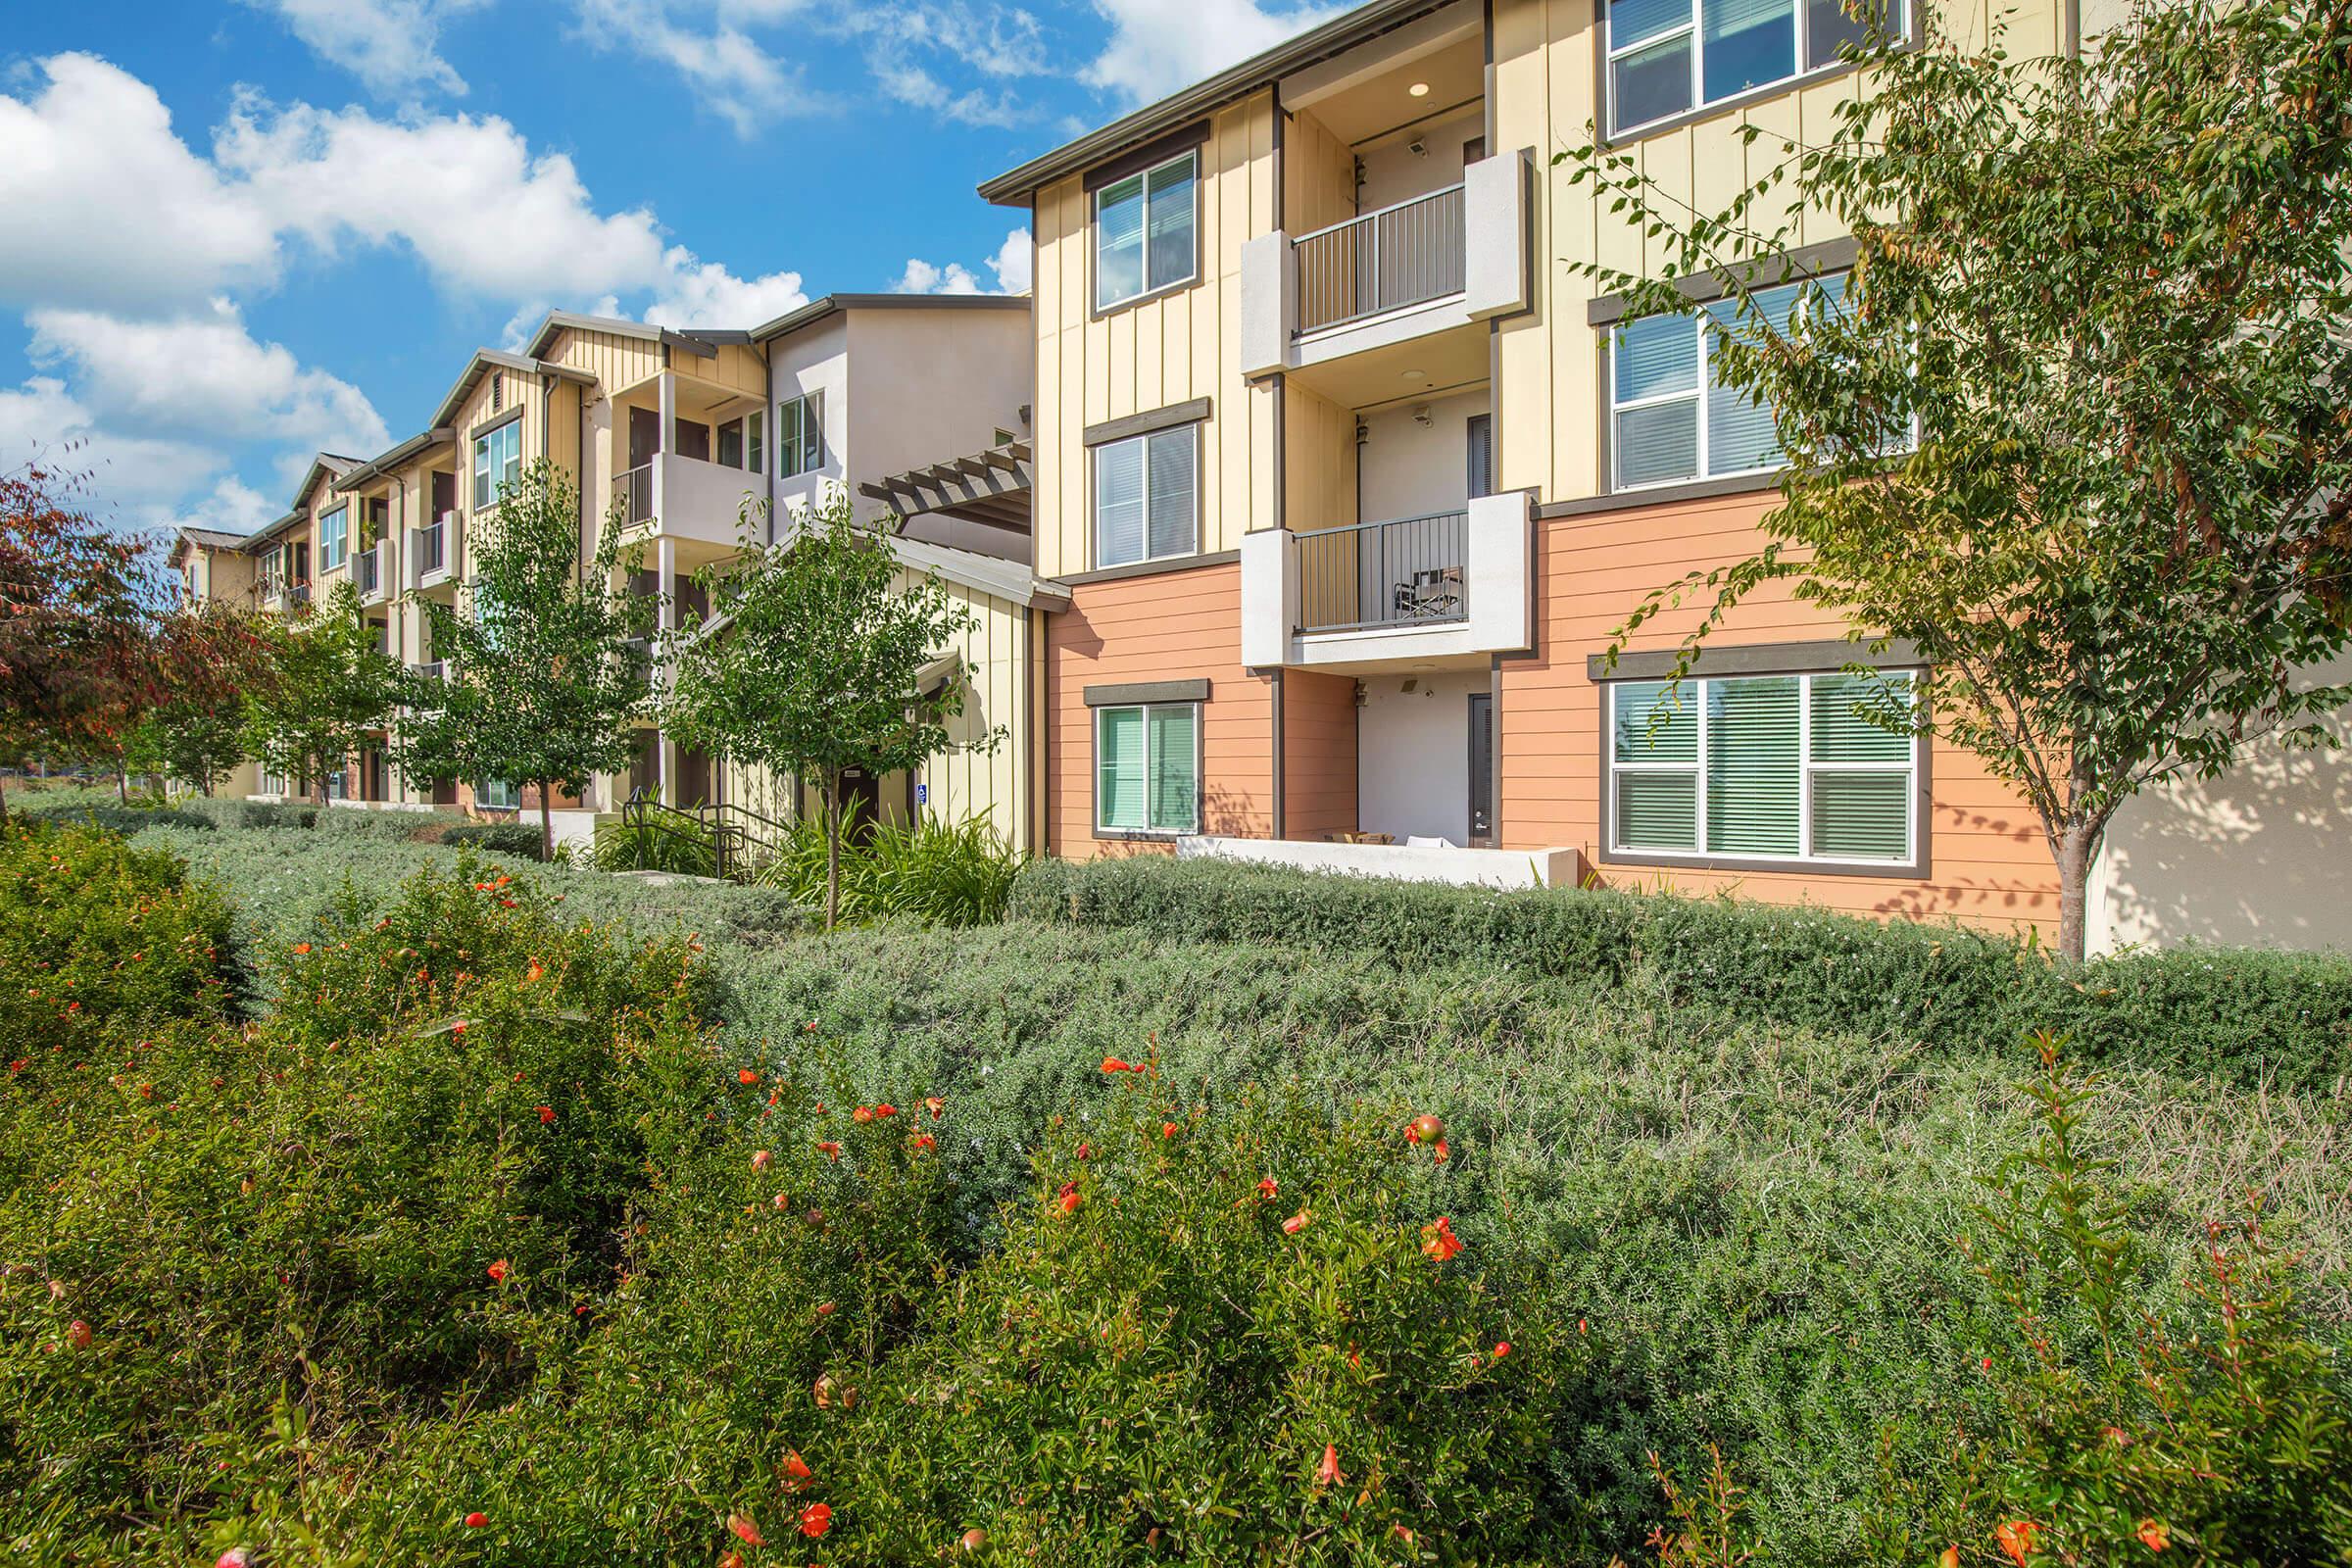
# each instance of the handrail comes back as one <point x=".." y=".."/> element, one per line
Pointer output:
<point x="634" y="489"/>
<point x="1402" y="572"/>
<point x="1379" y="212"/>
<point x="1405" y="254"/>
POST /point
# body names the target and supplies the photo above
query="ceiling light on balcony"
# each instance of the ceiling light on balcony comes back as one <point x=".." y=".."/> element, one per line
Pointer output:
<point x="1419" y="90"/>
<point x="1416" y="376"/>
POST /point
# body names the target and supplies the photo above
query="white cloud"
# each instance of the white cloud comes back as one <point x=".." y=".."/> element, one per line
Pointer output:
<point x="204" y="376"/>
<point x="1010" y="265"/>
<point x="393" y="46"/>
<point x="1158" y="46"/>
<point x="707" y="294"/>
<point x="143" y="479"/>
<point x="738" y="79"/>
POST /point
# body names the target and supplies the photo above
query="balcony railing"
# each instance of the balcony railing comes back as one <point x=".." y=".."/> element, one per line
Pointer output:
<point x="1403" y="573"/>
<point x="1403" y="255"/>
<point x="633" y="494"/>
<point x="367" y="573"/>
<point x="298" y="594"/>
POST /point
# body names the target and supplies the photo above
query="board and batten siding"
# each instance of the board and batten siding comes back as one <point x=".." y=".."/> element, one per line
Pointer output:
<point x="988" y="773"/>
<point x="1167" y="350"/>
<point x="1545" y="83"/>
<point x="1183" y="625"/>
<point x="1987" y="864"/>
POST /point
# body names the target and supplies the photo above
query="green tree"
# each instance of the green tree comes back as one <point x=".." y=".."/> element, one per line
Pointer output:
<point x="812" y="668"/>
<point x="544" y="682"/>
<point x="2076" y="423"/>
<point x="193" y="743"/>
<point x="326" y="686"/>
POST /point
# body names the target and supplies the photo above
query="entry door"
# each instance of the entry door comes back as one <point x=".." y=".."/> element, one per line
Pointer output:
<point x="1482" y="769"/>
<point x="645" y="436"/>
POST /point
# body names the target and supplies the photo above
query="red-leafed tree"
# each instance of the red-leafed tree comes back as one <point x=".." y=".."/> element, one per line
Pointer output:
<point x="80" y="607"/>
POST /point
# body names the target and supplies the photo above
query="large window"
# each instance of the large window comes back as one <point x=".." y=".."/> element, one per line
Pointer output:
<point x="497" y="795"/>
<point x="497" y="462"/>
<point x="334" y="537"/>
<point x="801" y="435"/>
<point x="1146" y="497"/>
<point x="1667" y="57"/>
<point x="1146" y="231"/>
<point x="1671" y="416"/>
<point x="1764" y="767"/>
<point x="1148" y="768"/>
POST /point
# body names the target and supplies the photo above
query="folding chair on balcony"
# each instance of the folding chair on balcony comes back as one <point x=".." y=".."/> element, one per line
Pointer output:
<point x="1430" y="594"/>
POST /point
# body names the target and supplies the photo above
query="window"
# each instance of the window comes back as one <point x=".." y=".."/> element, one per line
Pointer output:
<point x="1667" y="56"/>
<point x="1764" y="767"/>
<point x="801" y="435"/>
<point x="1146" y="497"/>
<point x="1145" y="232"/>
<point x="755" y="441"/>
<point x="730" y="444"/>
<point x="1670" y="417"/>
<point x="334" y="537"/>
<point x="497" y="795"/>
<point x="1481" y="455"/>
<point x="1148" y="768"/>
<point x="497" y="462"/>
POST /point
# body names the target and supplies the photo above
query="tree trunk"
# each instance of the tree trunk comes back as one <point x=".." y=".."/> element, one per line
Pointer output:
<point x="3" y="805"/>
<point x="832" y="792"/>
<point x="546" y="822"/>
<point x="2077" y="846"/>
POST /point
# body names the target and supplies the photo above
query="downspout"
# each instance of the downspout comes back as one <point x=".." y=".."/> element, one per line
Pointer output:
<point x="767" y="432"/>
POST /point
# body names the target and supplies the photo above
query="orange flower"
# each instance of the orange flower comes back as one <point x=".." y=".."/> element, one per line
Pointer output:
<point x="1069" y="1202"/>
<point x="935" y="1106"/>
<point x="924" y="1140"/>
<point x="1443" y="1153"/>
<point x="760" y="1159"/>
<point x="547" y="1113"/>
<point x="815" y="1520"/>
<point x="745" y="1531"/>
<point x="1167" y="1129"/>
<point x="1327" y="1474"/>
<point x="534" y="972"/>
<point x="476" y="1521"/>
<point x="745" y="1075"/>
<point x="1294" y="1224"/>
<point x="2154" y="1536"/>
<point x="1949" y="1559"/>
<point x="831" y="1151"/>
<point x="301" y="947"/>
<point x="498" y="1271"/>
<point x="886" y="1109"/>
<point x="1266" y="1187"/>
<point x="864" y="1113"/>
<point x="1114" y="1064"/>
<point x="797" y="1473"/>
<point x="2016" y="1538"/>
<point x="1502" y="1349"/>
<point x="1439" y="1240"/>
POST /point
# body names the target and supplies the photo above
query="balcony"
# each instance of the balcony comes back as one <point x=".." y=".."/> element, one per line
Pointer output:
<point x="1436" y="263"/>
<point x="367" y="573"/>
<point x="298" y="596"/>
<point x="685" y="498"/>
<point x="1448" y="587"/>
<point x="434" y="552"/>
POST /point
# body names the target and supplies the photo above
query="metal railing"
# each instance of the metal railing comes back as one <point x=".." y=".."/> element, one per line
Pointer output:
<point x="367" y="573"/>
<point x="1385" y="261"/>
<point x="1406" y="572"/>
<point x="707" y="839"/>
<point x="633" y="493"/>
<point x="430" y="669"/>
<point x="299" y="593"/>
<point x="432" y="547"/>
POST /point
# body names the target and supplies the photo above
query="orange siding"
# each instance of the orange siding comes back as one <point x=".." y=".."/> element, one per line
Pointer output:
<point x="1318" y="754"/>
<point x="1986" y="861"/>
<point x="1178" y="625"/>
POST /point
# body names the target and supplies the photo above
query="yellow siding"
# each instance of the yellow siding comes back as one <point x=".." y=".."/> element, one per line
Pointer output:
<point x="615" y="361"/>
<point x="1167" y="350"/>
<point x="1318" y="177"/>
<point x="1319" y="465"/>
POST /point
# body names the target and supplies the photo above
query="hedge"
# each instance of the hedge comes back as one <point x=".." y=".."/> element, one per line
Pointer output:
<point x="498" y="838"/>
<point x="2249" y="1016"/>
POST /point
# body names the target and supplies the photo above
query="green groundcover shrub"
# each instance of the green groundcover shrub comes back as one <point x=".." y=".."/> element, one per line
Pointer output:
<point x="498" y="838"/>
<point x="942" y="873"/>
<point x="2250" y="1016"/>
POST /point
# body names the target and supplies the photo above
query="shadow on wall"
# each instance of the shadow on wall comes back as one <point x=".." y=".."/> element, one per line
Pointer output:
<point x="2256" y="857"/>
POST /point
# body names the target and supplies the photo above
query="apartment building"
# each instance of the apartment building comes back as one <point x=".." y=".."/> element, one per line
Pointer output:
<point x="1351" y="478"/>
<point x="681" y="440"/>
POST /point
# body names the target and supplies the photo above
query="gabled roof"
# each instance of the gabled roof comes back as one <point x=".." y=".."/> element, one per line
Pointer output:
<point x="701" y="342"/>
<point x="377" y="467"/>
<point x="325" y="467"/>
<point x="1335" y="36"/>
<point x="819" y="310"/>
<point x="210" y="538"/>
<point x="485" y="361"/>
<point x="1008" y="580"/>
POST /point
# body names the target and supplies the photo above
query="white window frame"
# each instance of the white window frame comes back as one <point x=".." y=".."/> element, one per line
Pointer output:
<point x="334" y="548"/>
<point x="1095" y="254"/>
<point x="1693" y="690"/>
<point x="1094" y="510"/>
<point x="796" y="458"/>
<point x="488" y="484"/>
<point x="1199" y="772"/>
<point x="498" y="795"/>
<point x="1701" y="103"/>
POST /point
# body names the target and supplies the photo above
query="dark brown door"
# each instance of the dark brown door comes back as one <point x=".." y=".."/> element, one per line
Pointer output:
<point x="1482" y="770"/>
<point x="694" y="440"/>
<point x="693" y="781"/>
<point x="445" y="494"/>
<point x="861" y="802"/>
<point x="645" y="436"/>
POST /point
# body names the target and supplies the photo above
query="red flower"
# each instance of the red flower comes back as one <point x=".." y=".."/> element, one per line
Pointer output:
<point x="745" y="1531"/>
<point x="1439" y="1240"/>
<point x="1114" y="1064"/>
<point x="301" y="947"/>
<point x="533" y="974"/>
<point x="457" y="1028"/>
<point x="1167" y="1129"/>
<point x="2154" y="1536"/>
<point x="935" y="1106"/>
<point x="476" y="1521"/>
<point x="79" y="1333"/>
<point x="925" y="1140"/>
<point x="815" y="1519"/>
<point x="862" y="1113"/>
<point x="762" y="1159"/>
<point x="1069" y="1202"/>
<point x="1327" y="1474"/>
<point x="797" y="1473"/>
<point x="831" y="1151"/>
<point x="823" y="1309"/>
<point x="1086" y="1151"/>
<point x="233" y="1558"/>
<point x="1266" y="1187"/>
<point x="745" y="1075"/>
<point x="1443" y="1153"/>
<point x="1294" y="1224"/>
<point x="2016" y="1538"/>
<point x="547" y="1113"/>
<point x="886" y="1109"/>
<point x="498" y="1272"/>
<point x="1502" y="1349"/>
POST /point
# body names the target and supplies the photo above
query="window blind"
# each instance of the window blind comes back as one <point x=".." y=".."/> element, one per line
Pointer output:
<point x="1119" y="767"/>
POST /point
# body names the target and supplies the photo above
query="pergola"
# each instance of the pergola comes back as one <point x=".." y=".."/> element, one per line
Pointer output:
<point x="990" y="486"/>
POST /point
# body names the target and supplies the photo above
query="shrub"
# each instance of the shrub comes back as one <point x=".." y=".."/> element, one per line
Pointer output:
<point x="2248" y="1016"/>
<point x="938" y="872"/>
<point x="655" y="841"/>
<point x="499" y="838"/>
<point x="229" y="813"/>
<point x="397" y="826"/>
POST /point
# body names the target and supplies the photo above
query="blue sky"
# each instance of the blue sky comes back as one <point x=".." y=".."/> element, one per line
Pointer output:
<point x="241" y="231"/>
